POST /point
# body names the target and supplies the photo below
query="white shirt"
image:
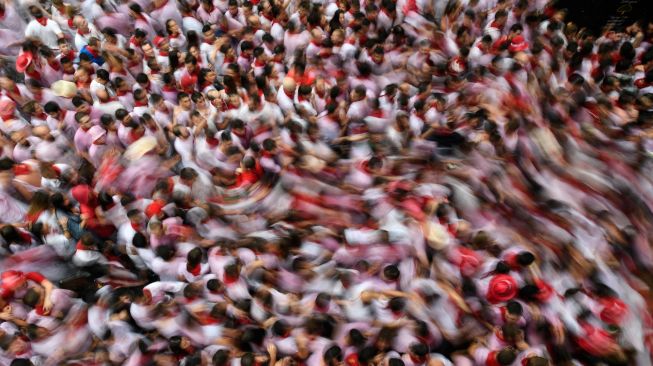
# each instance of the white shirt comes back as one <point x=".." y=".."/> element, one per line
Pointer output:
<point x="48" y="34"/>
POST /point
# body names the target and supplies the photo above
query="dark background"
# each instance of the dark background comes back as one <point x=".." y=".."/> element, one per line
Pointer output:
<point x="594" y="14"/>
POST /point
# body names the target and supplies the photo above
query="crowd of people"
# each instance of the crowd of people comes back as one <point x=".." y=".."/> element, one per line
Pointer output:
<point x="323" y="183"/>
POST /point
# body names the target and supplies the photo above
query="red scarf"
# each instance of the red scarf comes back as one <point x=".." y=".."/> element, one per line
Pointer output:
<point x="227" y="280"/>
<point x="140" y="104"/>
<point x="7" y="117"/>
<point x="492" y="359"/>
<point x="195" y="271"/>
<point x="55" y="65"/>
<point x="42" y="20"/>
<point x="33" y="74"/>
<point x="91" y="51"/>
<point x="291" y="96"/>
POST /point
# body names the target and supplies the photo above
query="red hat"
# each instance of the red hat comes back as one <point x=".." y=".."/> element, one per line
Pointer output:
<point x="502" y="288"/>
<point x="154" y="208"/>
<point x="158" y="40"/>
<point x="518" y="44"/>
<point x="23" y="61"/>
<point x="614" y="310"/>
<point x="188" y="81"/>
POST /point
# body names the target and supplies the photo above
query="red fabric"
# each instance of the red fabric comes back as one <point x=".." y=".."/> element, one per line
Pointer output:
<point x="195" y="271"/>
<point x="492" y="359"/>
<point x="597" y="341"/>
<point x="246" y="177"/>
<point x="11" y="280"/>
<point x="155" y="208"/>
<point x="22" y="169"/>
<point x="42" y="21"/>
<point x="502" y="288"/>
<point x="614" y="310"/>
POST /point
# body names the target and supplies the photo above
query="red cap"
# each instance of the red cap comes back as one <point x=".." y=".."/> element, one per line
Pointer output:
<point x="517" y="44"/>
<point x="154" y="208"/>
<point x="502" y="288"/>
<point x="614" y="310"/>
<point x="23" y="61"/>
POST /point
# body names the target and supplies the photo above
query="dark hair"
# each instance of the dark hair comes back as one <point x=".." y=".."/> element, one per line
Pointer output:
<point x="506" y="356"/>
<point x="220" y="358"/>
<point x="356" y="338"/>
<point x="21" y="362"/>
<point x="391" y="272"/>
<point x="333" y="355"/>
<point x="514" y="308"/>
<point x="525" y="258"/>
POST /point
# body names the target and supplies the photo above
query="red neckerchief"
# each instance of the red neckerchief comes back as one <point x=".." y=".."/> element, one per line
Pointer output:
<point x="491" y="359"/>
<point x="174" y="36"/>
<point x="121" y="93"/>
<point x="417" y="361"/>
<point x="42" y="21"/>
<point x="135" y="226"/>
<point x="81" y="246"/>
<point x="291" y="96"/>
<point x="212" y="142"/>
<point x="495" y="25"/>
<point x="301" y="98"/>
<point x="140" y="104"/>
<point x="92" y="51"/>
<point x="33" y="74"/>
<point x="195" y="271"/>
<point x="169" y="88"/>
<point x="227" y="280"/>
<point x="134" y="41"/>
<point x="79" y="31"/>
<point x="229" y="60"/>
<point x="8" y="117"/>
<point x="259" y="63"/>
<point x="133" y="136"/>
<point x="377" y="113"/>
<point x="55" y="65"/>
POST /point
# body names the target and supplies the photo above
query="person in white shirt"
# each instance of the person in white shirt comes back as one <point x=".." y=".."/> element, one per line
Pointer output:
<point x="43" y="28"/>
